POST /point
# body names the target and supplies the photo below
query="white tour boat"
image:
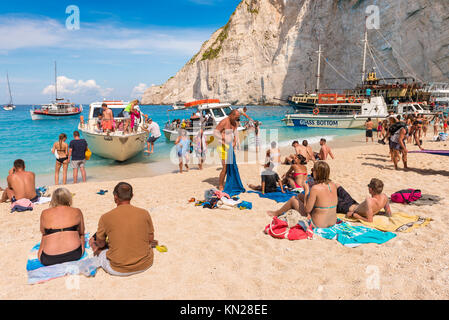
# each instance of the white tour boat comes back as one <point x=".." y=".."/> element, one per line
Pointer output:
<point x="212" y="112"/>
<point x="114" y="145"/>
<point x="342" y="114"/>
<point x="58" y="109"/>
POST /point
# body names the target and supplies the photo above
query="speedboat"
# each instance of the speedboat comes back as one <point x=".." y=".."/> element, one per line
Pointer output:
<point x="212" y="112"/>
<point x="114" y="145"/>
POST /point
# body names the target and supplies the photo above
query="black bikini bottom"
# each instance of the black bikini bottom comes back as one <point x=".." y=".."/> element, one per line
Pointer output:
<point x="74" y="255"/>
<point x="62" y="160"/>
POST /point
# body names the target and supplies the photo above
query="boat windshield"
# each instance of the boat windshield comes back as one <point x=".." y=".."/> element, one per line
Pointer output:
<point x="218" y="113"/>
<point x="227" y="110"/>
<point x="118" y="112"/>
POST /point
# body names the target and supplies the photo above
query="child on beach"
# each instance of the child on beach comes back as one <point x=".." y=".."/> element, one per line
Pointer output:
<point x="183" y="149"/>
<point x="269" y="180"/>
<point x="372" y="205"/>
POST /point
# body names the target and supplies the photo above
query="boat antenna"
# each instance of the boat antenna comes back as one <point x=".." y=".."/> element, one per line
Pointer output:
<point x="318" y="74"/>
<point x="365" y="42"/>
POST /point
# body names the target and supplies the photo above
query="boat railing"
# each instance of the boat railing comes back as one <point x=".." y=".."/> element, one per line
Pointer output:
<point x="91" y="127"/>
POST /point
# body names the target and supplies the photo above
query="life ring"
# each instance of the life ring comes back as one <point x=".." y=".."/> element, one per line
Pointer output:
<point x="351" y="99"/>
<point x="316" y="111"/>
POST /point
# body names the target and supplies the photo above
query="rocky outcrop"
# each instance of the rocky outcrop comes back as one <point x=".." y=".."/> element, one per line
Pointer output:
<point x="267" y="50"/>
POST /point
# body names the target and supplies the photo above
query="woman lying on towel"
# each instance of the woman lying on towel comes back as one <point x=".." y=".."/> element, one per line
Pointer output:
<point x="62" y="230"/>
<point x="320" y="201"/>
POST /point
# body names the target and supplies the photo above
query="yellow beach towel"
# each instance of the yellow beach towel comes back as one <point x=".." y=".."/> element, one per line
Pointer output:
<point x="398" y="222"/>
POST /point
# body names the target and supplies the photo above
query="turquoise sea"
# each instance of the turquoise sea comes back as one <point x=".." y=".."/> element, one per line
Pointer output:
<point x="32" y="141"/>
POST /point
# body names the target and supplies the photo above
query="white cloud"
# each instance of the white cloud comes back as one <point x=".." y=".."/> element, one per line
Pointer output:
<point x="71" y="87"/>
<point x="21" y="33"/>
<point x="139" y="90"/>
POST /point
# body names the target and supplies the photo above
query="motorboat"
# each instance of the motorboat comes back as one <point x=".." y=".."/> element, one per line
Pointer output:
<point x="211" y="112"/>
<point x="115" y="145"/>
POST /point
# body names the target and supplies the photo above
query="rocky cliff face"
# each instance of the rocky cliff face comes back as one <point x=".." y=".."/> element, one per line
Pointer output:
<point x="267" y="50"/>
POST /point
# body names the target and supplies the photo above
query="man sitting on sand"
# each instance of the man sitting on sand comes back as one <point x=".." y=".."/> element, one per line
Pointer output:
<point x="309" y="151"/>
<point x="130" y="236"/>
<point x="372" y="205"/>
<point x="21" y="184"/>
<point x="269" y="180"/>
<point x="299" y="149"/>
<point x="324" y="151"/>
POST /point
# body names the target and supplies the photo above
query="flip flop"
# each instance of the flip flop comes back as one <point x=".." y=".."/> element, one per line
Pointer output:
<point x="192" y="200"/>
<point x="161" y="248"/>
<point x="102" y="192"/>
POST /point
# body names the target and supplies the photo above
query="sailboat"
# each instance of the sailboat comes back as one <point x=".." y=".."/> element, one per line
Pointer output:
<point x="10" y="106"/>
<point x="57" y="109"/>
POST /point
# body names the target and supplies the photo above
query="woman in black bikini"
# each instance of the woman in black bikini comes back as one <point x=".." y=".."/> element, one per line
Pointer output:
<point x="62" y="230"/>
<point x="62" y="149"/>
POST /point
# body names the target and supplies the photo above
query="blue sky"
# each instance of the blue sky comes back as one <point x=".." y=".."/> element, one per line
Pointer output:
<point x="120" y="48"/>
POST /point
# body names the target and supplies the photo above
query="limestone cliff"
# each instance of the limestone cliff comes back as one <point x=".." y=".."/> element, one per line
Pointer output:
<point x="267" y="50"/>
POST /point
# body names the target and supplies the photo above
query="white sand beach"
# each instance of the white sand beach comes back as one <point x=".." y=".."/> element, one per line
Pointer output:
<point x="224" y="254"/>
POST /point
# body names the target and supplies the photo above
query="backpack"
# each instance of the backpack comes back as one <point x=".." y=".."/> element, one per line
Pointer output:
<point x="406" y="196"/>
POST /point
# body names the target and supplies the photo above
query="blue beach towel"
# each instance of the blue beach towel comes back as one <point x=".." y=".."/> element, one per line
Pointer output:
<point x="233" y="185"/>
<point x="38" y="273"/>
<point x="277" y="196"/>
<point x="353" y="236"/>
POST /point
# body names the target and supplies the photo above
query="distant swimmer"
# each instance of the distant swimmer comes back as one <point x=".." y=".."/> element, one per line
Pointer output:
<point x="21" y="184"/>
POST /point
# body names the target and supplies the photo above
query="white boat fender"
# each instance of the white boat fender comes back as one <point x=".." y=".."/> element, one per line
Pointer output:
<point x="56" y="154"/>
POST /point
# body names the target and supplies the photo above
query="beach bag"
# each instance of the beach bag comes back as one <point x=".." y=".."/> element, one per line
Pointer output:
<point x="88" y="154"/>
<point x="406" y="196"/>
<point x="279" y="229"/>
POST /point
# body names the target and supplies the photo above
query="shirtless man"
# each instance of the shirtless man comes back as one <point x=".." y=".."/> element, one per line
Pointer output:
<point x="21" y="184"/>
<point x="309" y="151"/>
<point x="226" y="133"/>
<point x="372" y="205"/>
<point x="369" y="129"/>
<point x="108" y="117"/>
<point x="324" y="151"/>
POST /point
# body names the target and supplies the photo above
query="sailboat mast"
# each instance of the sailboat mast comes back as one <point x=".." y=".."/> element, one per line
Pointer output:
<point x="56" y="84"/>
<point x="318" y="74"/>
<point x="365" y="44"/>
<point x="9" y="89"/>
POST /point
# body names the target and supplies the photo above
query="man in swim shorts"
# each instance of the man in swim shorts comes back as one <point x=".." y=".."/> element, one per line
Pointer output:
<point x="226" y="133"/>
<point x="372" y="205"/>
<point x="369" y="129"/>
<point x="108" y="118"/>
<point x="21" y="184"/>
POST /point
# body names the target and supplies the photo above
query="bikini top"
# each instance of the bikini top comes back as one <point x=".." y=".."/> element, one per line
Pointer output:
<point x="51" y="231"/>
<point x="332" y="207"/>
<point x="300" y="174"/>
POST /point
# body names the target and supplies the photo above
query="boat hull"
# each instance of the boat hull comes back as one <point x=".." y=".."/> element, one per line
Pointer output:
<point x="115" y="147"/>
<point x="44" y="116"/>
<point x="342" y="122"/>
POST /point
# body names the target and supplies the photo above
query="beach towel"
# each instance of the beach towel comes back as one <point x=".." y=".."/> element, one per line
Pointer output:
<point x="38" y="273"/>
<point x="427" y="200"/>
<point x="277" y="196"/>
<point x="43" y="200"/>
<point x="353" y="236"/>
<point x="398" y="222"/>
<point x="233" y="186"/>
<point x="22" y="205"/>
<point x="436" y="152"/>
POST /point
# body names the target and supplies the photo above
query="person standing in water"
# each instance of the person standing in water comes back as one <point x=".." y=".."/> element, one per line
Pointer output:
<point x="77" y="151"/>
<point x="62" y="149"/>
